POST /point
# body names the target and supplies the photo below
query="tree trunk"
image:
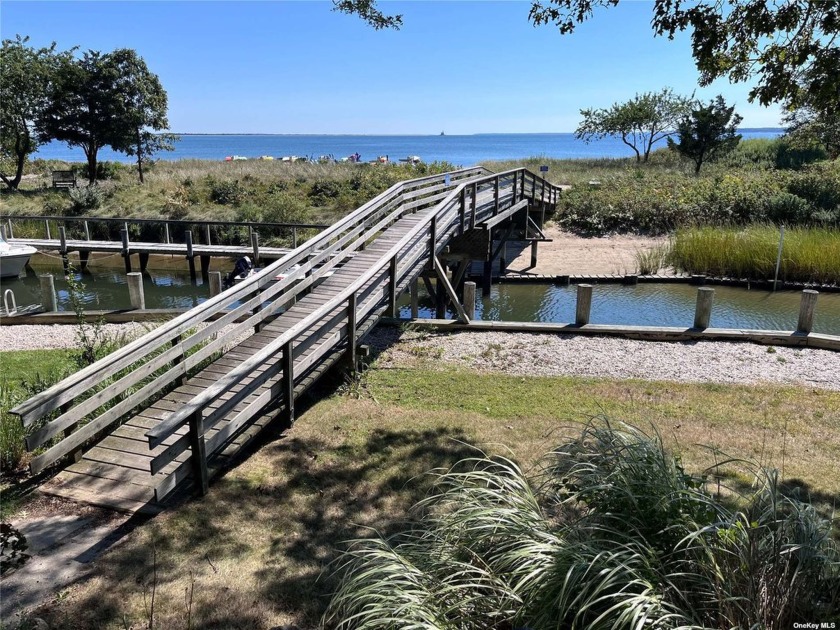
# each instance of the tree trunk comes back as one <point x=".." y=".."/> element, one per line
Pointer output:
<point x="90" y="153"/>
<point x="139" y="156"/>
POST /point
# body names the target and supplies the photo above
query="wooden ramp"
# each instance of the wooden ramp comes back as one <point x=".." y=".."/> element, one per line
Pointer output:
<point x="172" y="407"/>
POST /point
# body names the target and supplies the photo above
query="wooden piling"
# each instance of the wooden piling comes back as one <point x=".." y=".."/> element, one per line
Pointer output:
<point x="414" y="289"/>
<point x="703" y="310"/>
<point x="126" y="252"/>
<point x="135" y="290"/>
<point x="49" y="300"/>
<point x="188" y="238"/>
<point x="584" y="304"/>
<point x="807" y="307"/>
<point x="214" y="279"/>
<point x="469" y="300"/>
<point x="534" y="253"/>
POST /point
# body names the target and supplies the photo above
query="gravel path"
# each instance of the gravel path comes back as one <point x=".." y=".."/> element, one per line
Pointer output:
<point x="549" y="355"/>
<point x="525" y="354"/>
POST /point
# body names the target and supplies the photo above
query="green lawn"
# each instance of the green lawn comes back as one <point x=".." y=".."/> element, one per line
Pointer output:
<point x="256" y="552"/>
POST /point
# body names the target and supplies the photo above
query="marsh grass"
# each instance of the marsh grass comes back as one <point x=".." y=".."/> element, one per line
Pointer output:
<point x="808" y="255"/>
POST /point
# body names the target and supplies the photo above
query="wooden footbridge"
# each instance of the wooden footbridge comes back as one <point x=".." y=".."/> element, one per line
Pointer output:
<point x="170" y="408"/>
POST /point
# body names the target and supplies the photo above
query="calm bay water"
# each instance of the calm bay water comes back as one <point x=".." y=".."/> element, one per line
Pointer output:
<point x="458" y="150"/>
<point x="643" y="304"/>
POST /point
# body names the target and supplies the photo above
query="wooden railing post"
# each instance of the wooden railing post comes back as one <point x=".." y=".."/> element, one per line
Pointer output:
<point x="463" y="211"/>
<point x="199" y="455"/>
<point x="351" y="333"/>
<point x="255" y="246"/>
<point x="432" y="239"/>
<point x="126" y="252"/>
<point x="47" y="226"/>
<point x="496" y="195"/>
<point x="294" y="237"/>
<point x="473" y="203"/>
<point x="178" y="359"/>
<point x="166" y="233"/>
<point x="584" y="304"/>
<point x="288" y="382"/>
<point x="703" y="308"/>
<point x="188" y="238"/>
<point x="807" y="307"/>
<point x="11" y="232"/>
<point x="515" y="186"/>
<point x="392" y="288"/>
<point x="207" y="234"/>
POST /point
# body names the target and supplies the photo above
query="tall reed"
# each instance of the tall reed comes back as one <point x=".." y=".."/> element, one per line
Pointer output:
<point x="808" y="254"/>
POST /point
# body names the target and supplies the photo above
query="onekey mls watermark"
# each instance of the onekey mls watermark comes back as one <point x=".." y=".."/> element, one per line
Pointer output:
<point x="823" y="625"/>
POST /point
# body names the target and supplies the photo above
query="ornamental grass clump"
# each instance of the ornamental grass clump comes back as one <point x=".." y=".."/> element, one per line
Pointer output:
<point x="611" y="532"/>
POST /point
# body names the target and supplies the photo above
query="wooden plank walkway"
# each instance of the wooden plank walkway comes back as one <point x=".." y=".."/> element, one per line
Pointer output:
<point x="116" y="472"/>
<point x="176" y="404"/>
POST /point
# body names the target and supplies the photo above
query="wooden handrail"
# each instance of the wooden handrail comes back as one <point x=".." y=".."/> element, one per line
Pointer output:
<point x="171" y="424"/>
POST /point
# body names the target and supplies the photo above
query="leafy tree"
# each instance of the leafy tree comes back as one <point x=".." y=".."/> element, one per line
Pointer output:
<point x="367" y="10"/>
<point x="107" y="100"/>
<point x="25" y="77"/>
<point x="640" y="122"/>
<point x="707" y="133"/>
<point x="141" y="105"/>
<point x="806" y="128"/>
<point x="788" y="46"/>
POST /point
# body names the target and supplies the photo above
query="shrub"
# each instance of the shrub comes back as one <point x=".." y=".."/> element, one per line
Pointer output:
<point x="110" y="170"/>
<point x="226" y="192"/>
<point x="84" y="199"/>
<point x="788" y="208"/>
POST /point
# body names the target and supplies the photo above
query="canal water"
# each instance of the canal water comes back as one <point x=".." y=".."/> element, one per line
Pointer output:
<point x="643" y="304"/>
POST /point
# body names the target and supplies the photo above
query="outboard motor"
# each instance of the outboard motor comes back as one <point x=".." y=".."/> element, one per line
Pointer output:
<point x="242" y="268"/>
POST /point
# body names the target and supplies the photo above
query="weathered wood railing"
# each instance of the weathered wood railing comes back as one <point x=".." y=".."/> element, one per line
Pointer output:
<point x="99" y="396"/>
<point x="333" y="324"/>
<point x="167" y="230"/>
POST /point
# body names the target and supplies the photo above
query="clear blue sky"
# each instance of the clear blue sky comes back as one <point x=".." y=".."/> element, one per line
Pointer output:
<point x="299" y="67"/>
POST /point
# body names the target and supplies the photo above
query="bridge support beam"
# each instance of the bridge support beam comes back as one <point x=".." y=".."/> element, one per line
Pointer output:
<point x="205" y="268"/>
<point x="84" y="257"/>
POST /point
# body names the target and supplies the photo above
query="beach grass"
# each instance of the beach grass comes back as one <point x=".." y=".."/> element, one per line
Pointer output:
<point x="808" y="254"/>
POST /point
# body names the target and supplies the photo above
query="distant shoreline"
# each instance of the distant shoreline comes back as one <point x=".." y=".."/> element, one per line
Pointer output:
<point x="425" y="135"/>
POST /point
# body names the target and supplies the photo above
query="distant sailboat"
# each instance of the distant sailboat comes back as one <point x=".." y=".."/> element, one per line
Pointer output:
<point x="443" y="134"/>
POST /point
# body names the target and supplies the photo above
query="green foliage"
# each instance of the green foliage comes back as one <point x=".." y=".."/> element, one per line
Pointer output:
<point x="24" y="93"/>
<point x="13" y="547"/>
<point x="640" y="122"/>
<point x="788" y="48"/>
<point x="102" y="100"/>
<point x="809" y="255"/>
<point x="707" y="133"/>
<point x="226" y="192"/>
<point x="110" y="170"/>
<point x="85" y="199"/>
<point x="610" y="533"/>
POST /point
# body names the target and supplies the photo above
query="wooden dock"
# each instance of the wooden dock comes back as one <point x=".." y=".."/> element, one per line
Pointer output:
<point x="172" y="407"/>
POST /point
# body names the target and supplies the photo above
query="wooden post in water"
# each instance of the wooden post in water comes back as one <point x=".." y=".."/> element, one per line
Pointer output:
<point x="62" y="237"/>
<point x="469" y="300"/>
<point x="199" y="454"/>
<point x="534" y="253"/>
<point x="190" y="256"/>
<point x="255" y="246"/>
<point x="49" y="301"/>
<point x="126" y="252"/>
<point x="584" y="304"/>
<point x="807" y="307"/>
<point x="703" y="309"/>
<point x="415" y="299"/>
<point x="215" y="282"/>
<point x="135" y="290"/>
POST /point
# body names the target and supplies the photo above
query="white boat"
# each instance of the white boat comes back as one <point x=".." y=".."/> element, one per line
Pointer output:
<point x="13" y="258"/>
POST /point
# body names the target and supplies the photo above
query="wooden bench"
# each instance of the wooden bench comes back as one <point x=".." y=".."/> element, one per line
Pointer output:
<point x="63" y="179"/>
